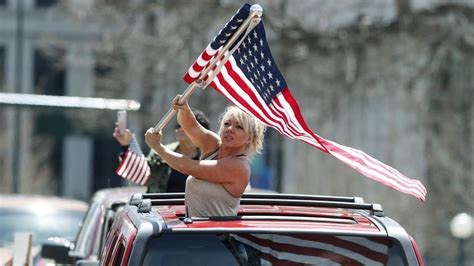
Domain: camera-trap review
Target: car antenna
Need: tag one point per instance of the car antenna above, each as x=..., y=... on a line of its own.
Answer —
x=187, y=219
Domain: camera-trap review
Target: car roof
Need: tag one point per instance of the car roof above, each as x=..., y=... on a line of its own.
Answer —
x=273, y=212
x=110, y=195
x=41, y=202
x=285, y=218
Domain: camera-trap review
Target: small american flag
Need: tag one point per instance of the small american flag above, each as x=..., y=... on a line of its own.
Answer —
x=251, y=80
x=134, y=165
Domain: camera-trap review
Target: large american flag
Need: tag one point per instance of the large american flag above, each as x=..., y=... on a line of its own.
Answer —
x=251, y=80
x=134, y=166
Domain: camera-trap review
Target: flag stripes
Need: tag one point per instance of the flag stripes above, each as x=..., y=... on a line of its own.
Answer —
x=221, y=38
x=134, y=166
x=282, y=115
x=198, y=66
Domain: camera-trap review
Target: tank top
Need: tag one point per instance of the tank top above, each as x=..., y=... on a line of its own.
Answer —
x=204, y=198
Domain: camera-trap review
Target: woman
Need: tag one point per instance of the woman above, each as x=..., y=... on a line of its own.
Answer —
x=164, y=178
x=215, y=184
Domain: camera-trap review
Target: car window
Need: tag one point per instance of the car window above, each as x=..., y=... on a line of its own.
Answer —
x=271, y=249
x=64, y=224
x=109, y=249
x=188, y=249
x=118, y=260
x=86, y=241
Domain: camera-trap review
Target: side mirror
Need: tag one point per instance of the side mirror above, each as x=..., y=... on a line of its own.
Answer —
x=87, y=263
x=58, y=250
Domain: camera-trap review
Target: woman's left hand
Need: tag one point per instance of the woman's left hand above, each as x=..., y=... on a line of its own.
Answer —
x=153, y=139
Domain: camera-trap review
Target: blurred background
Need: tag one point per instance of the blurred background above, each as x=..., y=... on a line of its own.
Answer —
x=391, y=77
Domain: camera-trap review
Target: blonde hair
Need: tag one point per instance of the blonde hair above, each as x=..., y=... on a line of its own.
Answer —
x=251, y=126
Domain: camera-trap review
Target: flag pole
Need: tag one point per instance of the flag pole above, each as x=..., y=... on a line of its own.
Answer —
x=250, y=22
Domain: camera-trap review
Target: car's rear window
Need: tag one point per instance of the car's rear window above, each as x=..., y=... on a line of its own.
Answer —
x=270, y=249
x=64, y=224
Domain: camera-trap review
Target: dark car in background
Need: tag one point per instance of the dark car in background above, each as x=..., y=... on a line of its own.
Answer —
x=103, y=207
x=270, y=229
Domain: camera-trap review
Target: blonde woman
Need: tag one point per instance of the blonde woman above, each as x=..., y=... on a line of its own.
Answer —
x=215, y=184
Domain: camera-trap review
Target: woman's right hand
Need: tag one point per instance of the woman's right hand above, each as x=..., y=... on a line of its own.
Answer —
x=123, y=138
x=153, y=140
x=179, y=107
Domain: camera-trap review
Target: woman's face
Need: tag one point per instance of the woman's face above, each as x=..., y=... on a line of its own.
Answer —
x=233, y=133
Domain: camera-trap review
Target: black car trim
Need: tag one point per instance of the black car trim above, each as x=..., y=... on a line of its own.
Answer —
x=262, y=196
x=274, y=217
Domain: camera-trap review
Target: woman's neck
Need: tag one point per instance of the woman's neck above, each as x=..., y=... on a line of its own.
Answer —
x=227, y=152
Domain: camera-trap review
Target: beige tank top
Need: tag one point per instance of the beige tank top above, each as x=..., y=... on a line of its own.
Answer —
x=204, y=199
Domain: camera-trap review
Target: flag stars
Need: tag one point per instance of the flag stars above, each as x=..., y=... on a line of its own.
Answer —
x=266, y=96
x=277, y=82
x=242, y=61
x=255, y=35
x=262, y=67
x=271, y=87
x=262, y=55
x=261, y=42
x=269, y=62
x=255, y=47
x=245, y=57
x=270, y=75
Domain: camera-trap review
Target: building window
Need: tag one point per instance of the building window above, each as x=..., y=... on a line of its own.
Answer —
x=49, y=75
x=45, y=3
x=109, y=76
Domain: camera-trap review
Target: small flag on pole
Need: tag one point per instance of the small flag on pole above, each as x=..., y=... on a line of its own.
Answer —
x=134, y=165
x=251, y=80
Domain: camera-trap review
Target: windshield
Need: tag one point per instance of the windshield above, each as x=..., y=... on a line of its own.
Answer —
x=270, y=249
x=64, y=224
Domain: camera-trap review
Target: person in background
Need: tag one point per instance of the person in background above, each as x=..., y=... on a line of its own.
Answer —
x=164, y=178
x=217, y=181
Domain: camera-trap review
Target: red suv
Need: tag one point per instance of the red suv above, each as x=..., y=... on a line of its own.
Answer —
x=270, y=229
